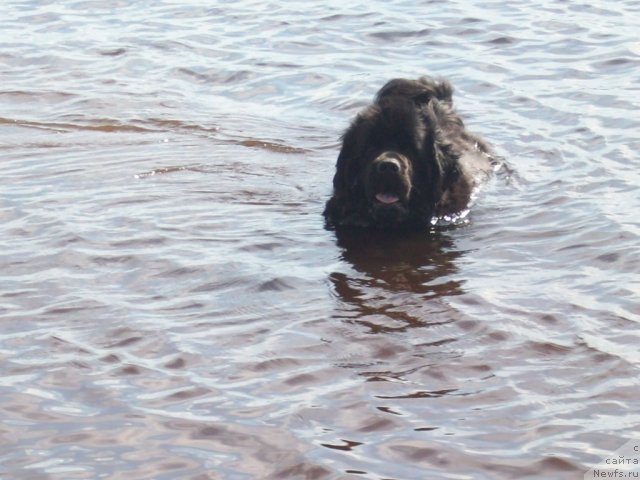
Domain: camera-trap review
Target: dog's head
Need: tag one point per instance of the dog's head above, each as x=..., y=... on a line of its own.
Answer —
x=406, y=159
x=389, y=169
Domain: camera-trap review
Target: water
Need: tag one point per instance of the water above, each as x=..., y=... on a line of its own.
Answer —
x=171, y=305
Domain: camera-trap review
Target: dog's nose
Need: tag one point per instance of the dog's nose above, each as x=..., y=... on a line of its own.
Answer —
x=388, y=165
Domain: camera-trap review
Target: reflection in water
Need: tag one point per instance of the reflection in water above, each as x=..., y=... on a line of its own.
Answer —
x=393, y=272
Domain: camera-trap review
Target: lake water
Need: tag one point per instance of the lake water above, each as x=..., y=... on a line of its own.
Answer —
x=172, y=307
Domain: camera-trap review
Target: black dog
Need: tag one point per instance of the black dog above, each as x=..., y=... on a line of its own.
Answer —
x=406, y=160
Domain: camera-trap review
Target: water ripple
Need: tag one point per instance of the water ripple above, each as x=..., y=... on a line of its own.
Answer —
x=167, y=281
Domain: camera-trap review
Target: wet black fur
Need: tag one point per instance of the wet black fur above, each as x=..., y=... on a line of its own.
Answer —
x=415, y=119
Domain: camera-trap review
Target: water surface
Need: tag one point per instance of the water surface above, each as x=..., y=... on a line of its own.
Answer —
x=172, y=307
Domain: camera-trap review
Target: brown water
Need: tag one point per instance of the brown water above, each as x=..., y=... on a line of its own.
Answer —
x=171, y=306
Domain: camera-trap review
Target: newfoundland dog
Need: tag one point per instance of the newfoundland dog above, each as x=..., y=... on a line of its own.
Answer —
x=406, y=160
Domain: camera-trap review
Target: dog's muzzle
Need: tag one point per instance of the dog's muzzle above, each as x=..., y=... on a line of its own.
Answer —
x=390, y=176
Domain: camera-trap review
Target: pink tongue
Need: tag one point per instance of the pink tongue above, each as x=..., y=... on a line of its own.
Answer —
x=386, y=198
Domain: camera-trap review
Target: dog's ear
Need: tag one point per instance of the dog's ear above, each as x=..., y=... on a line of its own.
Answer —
x=443, y=169
x=354, y=142
x=345, y=165
x=344, y=206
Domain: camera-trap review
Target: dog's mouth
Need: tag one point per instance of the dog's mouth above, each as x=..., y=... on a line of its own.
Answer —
x=387, y=198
